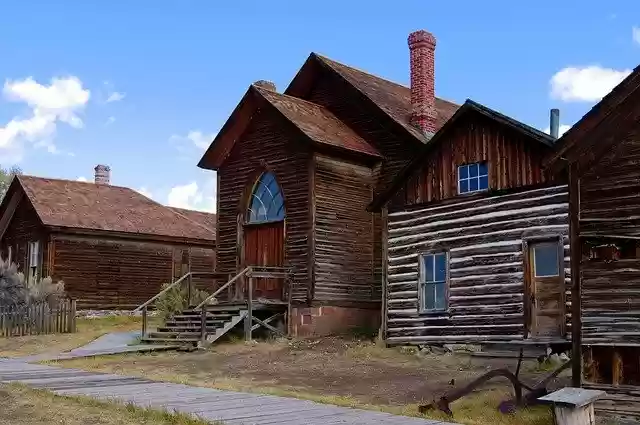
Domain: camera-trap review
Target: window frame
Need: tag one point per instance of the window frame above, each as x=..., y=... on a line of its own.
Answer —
x=552, y=244
x=422, y=283
x=468, y=179
x=33, y=266
x=253, y=195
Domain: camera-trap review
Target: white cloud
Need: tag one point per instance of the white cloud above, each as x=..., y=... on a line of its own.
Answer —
x=587, y=84
x=110, y=121
x=60, y=101
x=561, y=130
x=115, y=97
x=190, y=196
x=144, y=191
x=82, y=179
x=635, y=35
x=194, y=137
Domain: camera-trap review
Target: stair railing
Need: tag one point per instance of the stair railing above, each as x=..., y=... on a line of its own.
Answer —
x=223, y=287
x=188, y=277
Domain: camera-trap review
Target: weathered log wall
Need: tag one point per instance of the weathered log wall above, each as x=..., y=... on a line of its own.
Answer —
x=106, y=274
x=610, y=213
x=514, y=161
x=266, y=145
x=344, y=232
x=484, y=238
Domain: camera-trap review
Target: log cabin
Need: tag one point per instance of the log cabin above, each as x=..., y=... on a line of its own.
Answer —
x=476, y=241
x=297, y=170
x=600, y=154
x=112, y=246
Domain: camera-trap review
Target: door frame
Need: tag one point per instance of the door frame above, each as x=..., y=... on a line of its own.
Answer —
x=529, y=288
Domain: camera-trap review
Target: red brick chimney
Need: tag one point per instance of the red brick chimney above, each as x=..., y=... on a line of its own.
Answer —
x=422, y=49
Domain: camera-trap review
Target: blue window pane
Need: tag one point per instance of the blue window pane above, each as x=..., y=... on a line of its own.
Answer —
x=428, y=268
x=464, y=186
x=429, y=296
x=546, y=259
x=267, y=202
x=473, y=185
x=441, y=267
x=463, y=172
x=473, y=170
x=484, y=183
x=440, y=296
x=483, y=169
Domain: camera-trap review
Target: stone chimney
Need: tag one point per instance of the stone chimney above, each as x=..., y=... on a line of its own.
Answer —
x=103, y=174
x=264, y=84
x=554, y=123
x=422, y=49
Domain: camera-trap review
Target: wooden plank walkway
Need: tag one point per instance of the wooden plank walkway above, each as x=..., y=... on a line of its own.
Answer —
x=232, y=408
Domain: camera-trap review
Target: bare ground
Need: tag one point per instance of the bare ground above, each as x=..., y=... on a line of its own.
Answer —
x=339, y=371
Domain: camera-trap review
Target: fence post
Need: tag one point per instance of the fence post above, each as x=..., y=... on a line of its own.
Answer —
x=144, y=321
x=203, y=324
x=73, y=321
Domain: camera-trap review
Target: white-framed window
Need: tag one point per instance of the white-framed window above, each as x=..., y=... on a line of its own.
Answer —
x=473, y=177
x=34, y=260
x=433, y=290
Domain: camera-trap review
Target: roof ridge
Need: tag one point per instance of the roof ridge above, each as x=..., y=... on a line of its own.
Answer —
x=31, y=176
x=328, y=60
x=287, y=96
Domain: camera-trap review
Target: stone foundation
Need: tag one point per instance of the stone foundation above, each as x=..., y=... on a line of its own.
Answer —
x=333, y=320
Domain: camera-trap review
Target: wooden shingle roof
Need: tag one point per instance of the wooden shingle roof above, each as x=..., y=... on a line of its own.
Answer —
x=69, y=204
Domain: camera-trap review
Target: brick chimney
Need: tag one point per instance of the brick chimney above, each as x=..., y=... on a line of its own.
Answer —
x=103, y=174
x=422, y=49
x=264, y=84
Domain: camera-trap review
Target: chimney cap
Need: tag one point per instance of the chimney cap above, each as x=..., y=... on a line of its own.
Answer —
x=420, y=37
x=265, y=84
x=102, y=167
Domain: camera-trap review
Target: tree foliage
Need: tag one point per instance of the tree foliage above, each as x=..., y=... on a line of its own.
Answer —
x=6, y=175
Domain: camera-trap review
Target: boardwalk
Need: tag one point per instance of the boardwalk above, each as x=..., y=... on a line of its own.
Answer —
x=232, y=408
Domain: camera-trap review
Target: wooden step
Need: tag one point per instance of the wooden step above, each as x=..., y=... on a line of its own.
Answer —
x=180, y=336
x=158, y=340
x=210, y=329
x=196, y=322
x=182, y=317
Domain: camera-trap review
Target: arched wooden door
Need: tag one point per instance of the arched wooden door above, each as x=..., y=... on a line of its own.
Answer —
x=264, y=234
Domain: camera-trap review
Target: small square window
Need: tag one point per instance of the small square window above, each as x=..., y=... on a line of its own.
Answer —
x=473, y=177
x=545, y=259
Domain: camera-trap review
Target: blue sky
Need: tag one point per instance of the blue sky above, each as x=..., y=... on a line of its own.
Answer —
x=142, y=86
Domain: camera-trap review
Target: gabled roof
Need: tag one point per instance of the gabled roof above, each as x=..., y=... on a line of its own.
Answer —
x=590, y=133
x=469, y=106
x=391, y=98
x=205, y=219
x=315, y=122
x=72, y=204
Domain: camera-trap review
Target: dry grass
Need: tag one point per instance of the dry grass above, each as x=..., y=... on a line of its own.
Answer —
x=344, y=374
x=21, y=405
x=87, y=331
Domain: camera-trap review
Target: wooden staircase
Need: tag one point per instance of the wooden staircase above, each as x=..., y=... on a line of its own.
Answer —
x=211, y=319
x=186, y=328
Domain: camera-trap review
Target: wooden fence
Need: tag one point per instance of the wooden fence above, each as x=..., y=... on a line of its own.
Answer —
x=38, y=319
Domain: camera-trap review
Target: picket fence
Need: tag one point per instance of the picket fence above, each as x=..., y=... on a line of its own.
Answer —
x=38, y=319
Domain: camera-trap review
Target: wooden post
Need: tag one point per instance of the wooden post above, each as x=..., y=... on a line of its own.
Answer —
x=144, y=321
x=189, y=283
x=73, y=317
x=203, y=324
x=576, y=258
x=248, y=322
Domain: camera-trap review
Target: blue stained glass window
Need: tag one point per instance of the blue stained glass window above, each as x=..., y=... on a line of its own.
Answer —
x=267, y=202
x=434, y=286
x=473, y=177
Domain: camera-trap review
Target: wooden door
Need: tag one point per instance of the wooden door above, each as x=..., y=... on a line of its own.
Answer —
x=546, y=289
x=264, y=246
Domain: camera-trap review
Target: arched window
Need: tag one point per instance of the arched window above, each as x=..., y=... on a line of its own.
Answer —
x=266, y=203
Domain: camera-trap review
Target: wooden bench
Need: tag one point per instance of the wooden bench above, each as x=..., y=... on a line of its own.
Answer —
x=573, y=406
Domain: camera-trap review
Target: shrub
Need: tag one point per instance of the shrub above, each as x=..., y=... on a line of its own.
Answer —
x=175, y=301
x=16, y=291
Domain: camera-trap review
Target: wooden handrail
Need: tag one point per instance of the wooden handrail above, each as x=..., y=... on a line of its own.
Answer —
x=165, y=290
x=223, y=287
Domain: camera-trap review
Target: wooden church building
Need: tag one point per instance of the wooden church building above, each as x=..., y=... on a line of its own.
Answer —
x=316, y=179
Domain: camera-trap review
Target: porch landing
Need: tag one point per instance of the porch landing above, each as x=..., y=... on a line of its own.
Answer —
x=232, y=408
